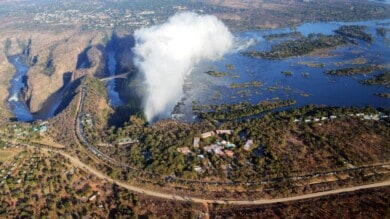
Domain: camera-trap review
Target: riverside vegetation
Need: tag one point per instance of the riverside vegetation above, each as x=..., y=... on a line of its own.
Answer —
x=381, y=79
x=51, y=187
x=285, y=145
x=354, y=70
x=313, y=42
x=299, y=47
x=240, y=110
x=272, y=134
x=355, y=31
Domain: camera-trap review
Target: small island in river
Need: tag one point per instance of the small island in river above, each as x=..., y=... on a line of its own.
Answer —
x=381, y=79
x=354, y=70
x=355, y=31
x=303, y=46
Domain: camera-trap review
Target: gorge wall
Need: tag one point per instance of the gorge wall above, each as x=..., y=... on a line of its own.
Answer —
x=51, y=55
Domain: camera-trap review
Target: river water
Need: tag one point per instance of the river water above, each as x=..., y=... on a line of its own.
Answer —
x=307, y=85
x=113, y=95
x=18, y=82
x=22, y=112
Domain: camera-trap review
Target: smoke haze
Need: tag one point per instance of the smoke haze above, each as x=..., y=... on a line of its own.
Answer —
x=165, y=55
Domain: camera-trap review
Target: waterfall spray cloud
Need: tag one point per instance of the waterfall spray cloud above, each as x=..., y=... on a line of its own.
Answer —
x=165, y=55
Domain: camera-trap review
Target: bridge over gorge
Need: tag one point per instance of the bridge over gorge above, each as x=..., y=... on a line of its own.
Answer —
x=124, y=76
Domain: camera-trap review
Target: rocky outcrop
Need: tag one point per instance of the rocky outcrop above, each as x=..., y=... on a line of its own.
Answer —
x=124, y=44
x=97, y=62
x=54, y=59
x=6, y=72
x=51, y=56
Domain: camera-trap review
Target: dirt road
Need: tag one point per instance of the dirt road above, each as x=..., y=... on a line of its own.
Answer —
x=99, y=174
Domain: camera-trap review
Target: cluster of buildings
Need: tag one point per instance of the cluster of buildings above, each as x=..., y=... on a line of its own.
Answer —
x=97, y=15
x=375, y=117
x=25, y=131
x=99, y=19
x=220, y=148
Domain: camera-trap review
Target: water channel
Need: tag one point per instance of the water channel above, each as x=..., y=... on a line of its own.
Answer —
x=307, y=85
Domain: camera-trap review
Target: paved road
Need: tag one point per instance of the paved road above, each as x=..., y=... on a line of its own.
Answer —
x=97, y=154
x=99, y=174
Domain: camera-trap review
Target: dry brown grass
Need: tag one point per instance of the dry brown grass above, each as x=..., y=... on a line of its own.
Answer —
x=369, y=203
x=357, y=140
x=49, y=142
x=8, y=154
x=298, y=156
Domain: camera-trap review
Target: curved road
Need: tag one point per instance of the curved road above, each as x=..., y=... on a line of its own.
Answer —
x=99, y=174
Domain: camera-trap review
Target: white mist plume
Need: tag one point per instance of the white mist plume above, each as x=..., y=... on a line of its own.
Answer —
x=165, y=55
x=243, y=44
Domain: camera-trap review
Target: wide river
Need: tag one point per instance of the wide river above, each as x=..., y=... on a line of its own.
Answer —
x=307, y=85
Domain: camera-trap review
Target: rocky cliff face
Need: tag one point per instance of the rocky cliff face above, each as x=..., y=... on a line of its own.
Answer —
x=51, y=55
x=54, y=59
x=96, y=59
x=124, y=43
x=6, y=72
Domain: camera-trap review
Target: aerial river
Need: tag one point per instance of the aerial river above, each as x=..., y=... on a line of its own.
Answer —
x=308, y=83
x=18, y=82
x=113, y=95
x=15, y=99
